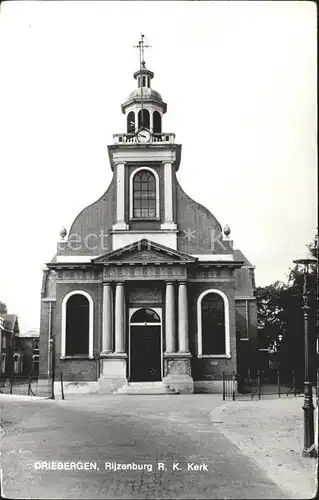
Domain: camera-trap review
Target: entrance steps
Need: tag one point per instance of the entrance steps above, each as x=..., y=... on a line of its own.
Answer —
x=145, y=388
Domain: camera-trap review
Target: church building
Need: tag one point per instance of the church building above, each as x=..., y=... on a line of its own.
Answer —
x=146, y=289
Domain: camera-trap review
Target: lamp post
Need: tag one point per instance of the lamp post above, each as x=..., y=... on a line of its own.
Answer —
x=52, y=349
x=309, y=449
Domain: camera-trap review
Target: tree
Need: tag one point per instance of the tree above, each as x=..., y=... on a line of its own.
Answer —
x=279, y=309
x=271, y=313
x=3, y=308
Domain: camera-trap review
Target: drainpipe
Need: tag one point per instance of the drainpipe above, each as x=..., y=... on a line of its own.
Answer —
x=247, y=320
x=49, y=335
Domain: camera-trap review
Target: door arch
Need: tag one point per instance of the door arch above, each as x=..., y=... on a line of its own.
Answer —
x=145, y=344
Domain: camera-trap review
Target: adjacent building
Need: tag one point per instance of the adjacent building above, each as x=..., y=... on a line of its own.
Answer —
x=27, y=347
x=9, y=328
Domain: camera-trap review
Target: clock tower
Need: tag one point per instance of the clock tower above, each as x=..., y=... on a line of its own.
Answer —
x=144, y=160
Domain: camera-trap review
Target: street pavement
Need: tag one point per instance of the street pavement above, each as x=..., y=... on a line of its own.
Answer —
x=271, y=432
x=174, y=432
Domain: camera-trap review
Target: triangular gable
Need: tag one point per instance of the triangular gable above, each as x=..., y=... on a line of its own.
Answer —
x=144, y=251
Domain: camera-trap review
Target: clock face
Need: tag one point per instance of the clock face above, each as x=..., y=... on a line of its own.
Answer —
x=143, y=136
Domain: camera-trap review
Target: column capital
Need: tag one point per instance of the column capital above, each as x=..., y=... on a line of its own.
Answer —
x=119, y=283
x=119, y=162
x=183, y=282
x=107, y=283
x=169, y=282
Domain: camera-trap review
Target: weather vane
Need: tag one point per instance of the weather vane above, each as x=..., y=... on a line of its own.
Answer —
x=141, y=48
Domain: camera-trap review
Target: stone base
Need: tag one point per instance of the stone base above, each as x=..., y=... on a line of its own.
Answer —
x=72, y=387
x=182, y=384
x=112, y=373
x=177, y=372
x=150, y=388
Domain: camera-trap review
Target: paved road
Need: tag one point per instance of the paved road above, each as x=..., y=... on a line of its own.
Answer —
x=125, y=429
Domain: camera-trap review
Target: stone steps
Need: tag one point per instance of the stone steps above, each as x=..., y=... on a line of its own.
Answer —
x=145, y=388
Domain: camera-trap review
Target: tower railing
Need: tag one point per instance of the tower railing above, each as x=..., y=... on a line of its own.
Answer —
x=163, y=138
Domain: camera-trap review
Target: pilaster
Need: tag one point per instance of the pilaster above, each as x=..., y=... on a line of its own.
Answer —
x=170, y=317
x=119, y=318
x=182, y=318
x=168, y=197
x=120, y=198
x=107, y=320
x=113, y=365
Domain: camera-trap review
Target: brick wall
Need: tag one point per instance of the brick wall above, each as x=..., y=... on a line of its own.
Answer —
x=201, y=225
x=211, y=368
x=79, y=369
x=100, y=216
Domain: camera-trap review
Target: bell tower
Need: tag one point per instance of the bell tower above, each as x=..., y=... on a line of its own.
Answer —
x=144, y=107
x=144, y=160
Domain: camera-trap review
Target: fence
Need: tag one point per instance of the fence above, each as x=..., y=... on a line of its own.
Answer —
x=25, y=385
x=256, y=385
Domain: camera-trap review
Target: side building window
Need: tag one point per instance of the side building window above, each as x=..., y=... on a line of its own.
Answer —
x=144, y=195
x=77, y=325
x=3, y=363
x=213, y=324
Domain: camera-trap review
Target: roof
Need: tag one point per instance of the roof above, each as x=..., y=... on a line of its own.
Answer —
x=147, y=94
x=33, y=332
x=142, y=250
x=9, y=321
x=238, y=255
x=244, y=285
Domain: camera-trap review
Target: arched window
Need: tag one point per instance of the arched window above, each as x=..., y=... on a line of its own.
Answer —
x=145, y=316
x=77, y=324
x=213, y=324
x=131, y=122
x=157, y=123
x=144, y=195
x=145, y=120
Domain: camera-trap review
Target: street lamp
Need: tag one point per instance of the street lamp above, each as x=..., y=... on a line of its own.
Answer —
x=52, y=352
x=309, y=449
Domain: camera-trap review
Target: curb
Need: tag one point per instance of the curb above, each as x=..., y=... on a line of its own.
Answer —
x=19, y=397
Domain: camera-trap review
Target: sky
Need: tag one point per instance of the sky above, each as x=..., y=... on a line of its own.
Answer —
x=239, y=79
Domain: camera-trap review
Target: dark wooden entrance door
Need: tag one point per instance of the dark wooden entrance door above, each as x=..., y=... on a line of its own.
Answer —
x=145, y=353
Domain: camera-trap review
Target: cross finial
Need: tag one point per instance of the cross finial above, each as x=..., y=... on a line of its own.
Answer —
x=141, y=48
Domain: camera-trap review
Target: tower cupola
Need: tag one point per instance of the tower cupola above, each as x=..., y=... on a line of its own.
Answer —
x=144, y=107
x=145, y=75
